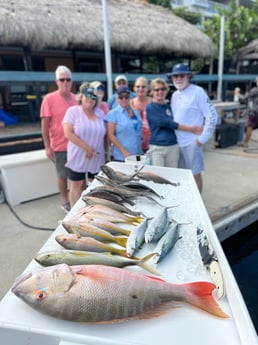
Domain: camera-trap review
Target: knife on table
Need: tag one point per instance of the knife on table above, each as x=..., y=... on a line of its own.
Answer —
x=210, y=261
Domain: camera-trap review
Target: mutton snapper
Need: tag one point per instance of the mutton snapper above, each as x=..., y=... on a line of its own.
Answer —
x=100, y=294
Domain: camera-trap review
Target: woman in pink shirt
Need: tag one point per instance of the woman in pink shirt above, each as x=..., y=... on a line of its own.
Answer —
x=85, y=130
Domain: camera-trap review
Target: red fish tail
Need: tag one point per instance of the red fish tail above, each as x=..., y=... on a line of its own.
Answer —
x=200, y=295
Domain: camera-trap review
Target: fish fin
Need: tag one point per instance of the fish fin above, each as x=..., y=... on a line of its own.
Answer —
x=143, y=263
x=93, y=272
x=200, y=295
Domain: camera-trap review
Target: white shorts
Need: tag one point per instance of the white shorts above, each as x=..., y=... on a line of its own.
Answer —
x=191, y=157
x=164, y=156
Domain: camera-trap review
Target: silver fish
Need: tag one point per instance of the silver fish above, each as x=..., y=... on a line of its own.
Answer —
x=118, y=176
x=90, y=200
x=150, y=176
x=101, y=294
x=108, y=194
x=157, y=226
x=167, y=242
x=136, y=238
x=79, y=257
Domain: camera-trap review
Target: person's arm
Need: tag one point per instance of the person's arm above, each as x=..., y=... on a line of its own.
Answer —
x=45, y=124
x=193, y=129
x=71, y=136
x=111, y=127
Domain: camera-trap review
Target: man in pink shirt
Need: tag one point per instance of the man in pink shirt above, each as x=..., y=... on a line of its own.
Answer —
x=53, y=109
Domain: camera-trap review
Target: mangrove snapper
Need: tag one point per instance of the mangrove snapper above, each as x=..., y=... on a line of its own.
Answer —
x=101, y=294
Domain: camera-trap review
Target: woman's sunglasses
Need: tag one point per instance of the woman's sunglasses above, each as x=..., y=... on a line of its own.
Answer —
x=91, y=96
x=123, y=96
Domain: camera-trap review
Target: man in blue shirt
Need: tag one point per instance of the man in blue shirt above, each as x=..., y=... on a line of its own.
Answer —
x=120, y=80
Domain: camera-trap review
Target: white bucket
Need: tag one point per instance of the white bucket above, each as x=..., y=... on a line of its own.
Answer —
x=138, y=159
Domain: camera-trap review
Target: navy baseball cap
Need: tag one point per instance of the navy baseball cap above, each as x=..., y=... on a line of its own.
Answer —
x=180, y=68
x=123, y=89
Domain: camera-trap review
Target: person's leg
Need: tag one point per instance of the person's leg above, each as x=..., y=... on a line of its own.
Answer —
x=191, y=157
x=62, y=187
x=248, y=135
x=157, y=155
x=172, y=156
x=76, y=189
x=198, y=180
x=60, y=161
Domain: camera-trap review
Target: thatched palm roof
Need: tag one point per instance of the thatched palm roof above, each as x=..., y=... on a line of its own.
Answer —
x=249, y=52
x=135, y=27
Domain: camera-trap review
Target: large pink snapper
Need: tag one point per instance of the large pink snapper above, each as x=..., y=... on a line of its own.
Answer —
x=101, y=294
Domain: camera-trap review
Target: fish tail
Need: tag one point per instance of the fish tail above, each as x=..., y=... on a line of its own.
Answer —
x=122, y=241
x=143, y=263
x=200, y=295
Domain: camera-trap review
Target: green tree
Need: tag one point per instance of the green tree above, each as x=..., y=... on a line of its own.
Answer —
x=240, y=27
x=191, y=17
x=163, y=3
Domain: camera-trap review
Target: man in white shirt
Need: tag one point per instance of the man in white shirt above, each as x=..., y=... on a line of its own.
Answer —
x=191, y=106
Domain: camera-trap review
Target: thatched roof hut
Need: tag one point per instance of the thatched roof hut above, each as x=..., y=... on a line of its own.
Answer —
x=135, y=27
x=247, y=53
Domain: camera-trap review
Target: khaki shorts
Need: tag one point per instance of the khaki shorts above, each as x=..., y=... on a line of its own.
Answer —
x=164, y=156
x=60, y=161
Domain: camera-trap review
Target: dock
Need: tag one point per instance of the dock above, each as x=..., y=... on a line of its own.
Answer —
x=230, y=195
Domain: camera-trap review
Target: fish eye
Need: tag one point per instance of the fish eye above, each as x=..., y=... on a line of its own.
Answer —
x=40, y=295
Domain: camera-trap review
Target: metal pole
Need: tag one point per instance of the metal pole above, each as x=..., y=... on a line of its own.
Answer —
x=107, y=48
x=221, y=58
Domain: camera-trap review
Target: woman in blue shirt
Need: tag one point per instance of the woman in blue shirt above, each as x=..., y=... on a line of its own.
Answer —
x=124, y=127
x=163, y=142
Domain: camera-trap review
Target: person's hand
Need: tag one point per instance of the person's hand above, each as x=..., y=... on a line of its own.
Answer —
x=89, y=152
x=198, y=143
x=197, y=130
x=50, y=153
x=126, y=153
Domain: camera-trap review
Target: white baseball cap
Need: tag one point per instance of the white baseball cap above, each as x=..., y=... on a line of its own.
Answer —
x=120, y=77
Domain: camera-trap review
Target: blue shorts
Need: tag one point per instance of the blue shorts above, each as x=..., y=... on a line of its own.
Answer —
x=191, y=157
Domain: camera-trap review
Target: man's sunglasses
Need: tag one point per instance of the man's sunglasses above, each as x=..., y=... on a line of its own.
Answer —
x=123, y=96
x=64, y=79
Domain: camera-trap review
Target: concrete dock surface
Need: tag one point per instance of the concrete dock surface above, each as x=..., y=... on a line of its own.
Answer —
x=230, y=185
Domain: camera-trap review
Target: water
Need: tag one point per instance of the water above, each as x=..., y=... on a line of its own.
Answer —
x=241, y=251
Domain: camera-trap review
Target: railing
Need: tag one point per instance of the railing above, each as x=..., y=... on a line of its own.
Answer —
x=10, y=77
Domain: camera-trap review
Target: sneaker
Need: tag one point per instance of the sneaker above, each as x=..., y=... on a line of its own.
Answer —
x=66, y=207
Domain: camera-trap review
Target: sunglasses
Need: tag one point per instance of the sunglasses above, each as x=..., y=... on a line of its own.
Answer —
x=140, y=86
x=91, y=96
x=160, y=89
x=101, y=88
x=179, y=76
x=123, y=96
x=64, y=79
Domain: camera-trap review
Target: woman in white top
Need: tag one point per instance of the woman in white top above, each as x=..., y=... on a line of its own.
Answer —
x=85, y=129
